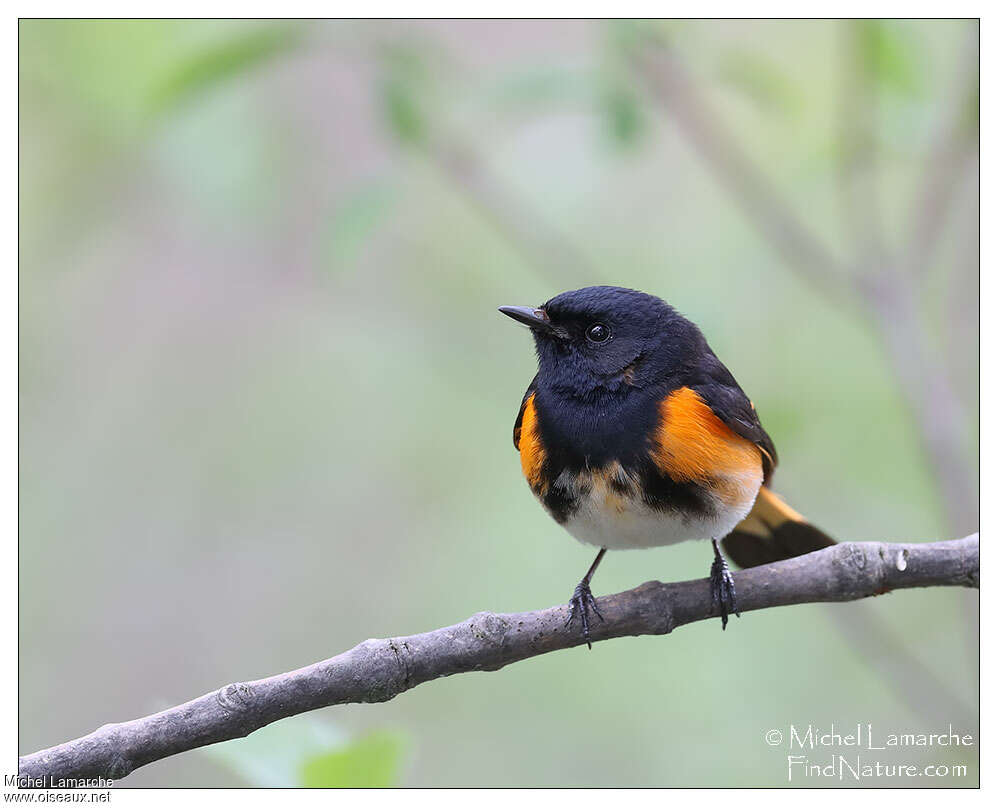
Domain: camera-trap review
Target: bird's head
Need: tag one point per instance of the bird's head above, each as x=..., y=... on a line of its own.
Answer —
x=603, y=338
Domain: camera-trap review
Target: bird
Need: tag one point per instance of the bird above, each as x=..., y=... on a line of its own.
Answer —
x=633, y=434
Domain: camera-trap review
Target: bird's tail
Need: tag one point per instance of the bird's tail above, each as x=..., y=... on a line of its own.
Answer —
x=773, y=531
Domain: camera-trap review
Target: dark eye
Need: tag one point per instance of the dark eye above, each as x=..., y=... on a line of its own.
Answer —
x=598, y=332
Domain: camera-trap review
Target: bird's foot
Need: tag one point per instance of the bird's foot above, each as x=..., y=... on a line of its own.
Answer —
x=582, y=603
x=723, y=588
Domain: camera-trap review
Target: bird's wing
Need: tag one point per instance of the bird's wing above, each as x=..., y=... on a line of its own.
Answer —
x=520, y=415
x=721, y=392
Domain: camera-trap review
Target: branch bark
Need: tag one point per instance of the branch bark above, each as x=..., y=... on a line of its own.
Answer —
x=379, y=670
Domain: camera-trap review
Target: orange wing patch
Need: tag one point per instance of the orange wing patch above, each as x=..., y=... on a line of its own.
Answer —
x=694, y=444
x=532, y=453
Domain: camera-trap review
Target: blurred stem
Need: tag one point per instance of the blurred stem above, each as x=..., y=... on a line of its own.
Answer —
x=891, y=293
x=860, y=191
x=953, y=150
x=759, y=199
x=961, y=311
x=926, y=386
x=878, y=286
x=880, y=289
x=927, y=695
x=539, y=243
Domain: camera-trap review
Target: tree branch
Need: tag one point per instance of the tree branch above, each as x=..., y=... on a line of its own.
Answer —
x=379, y=670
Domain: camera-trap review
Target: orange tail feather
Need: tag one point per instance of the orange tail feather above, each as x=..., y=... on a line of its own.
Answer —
x=773, y=531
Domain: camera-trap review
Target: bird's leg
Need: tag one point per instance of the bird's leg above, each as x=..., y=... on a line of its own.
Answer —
x=583, y=601
x=722, y=586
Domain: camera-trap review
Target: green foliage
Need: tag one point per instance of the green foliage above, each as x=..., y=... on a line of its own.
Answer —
x=542, y=88
x=402, y=112
x=369, y=762
x=401, y=92
x=620, y=104
x=355, y=221
x=623, y=115
x=627, y=36
x=272, y=757
x=308, y=751
x=970, y=119
x=102, y=71
x=117, y=75
x=219, y=61
x=759, y=79
x=887, y=55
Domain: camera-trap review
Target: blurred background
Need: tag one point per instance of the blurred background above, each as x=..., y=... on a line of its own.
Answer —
x=266, y=399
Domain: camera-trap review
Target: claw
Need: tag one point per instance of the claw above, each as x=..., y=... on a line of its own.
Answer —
x=582, y=602
x=722, y=588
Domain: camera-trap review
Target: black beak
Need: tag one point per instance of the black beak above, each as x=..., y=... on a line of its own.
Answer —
x=528, y=315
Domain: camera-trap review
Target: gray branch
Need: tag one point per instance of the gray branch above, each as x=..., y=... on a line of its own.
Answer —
x=379, y=670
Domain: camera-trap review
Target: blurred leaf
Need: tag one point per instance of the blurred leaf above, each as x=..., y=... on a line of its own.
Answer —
x=272, y=757
x=624, y=37
x=100, y=72
x=403, y=85
x=356, y=219
x=402, y=112
x=370, y=762
x=622, y=113
x=972, y=102
x=541, y=87
x=620, y=105
x=221, y=61
x=759, y=79
x=887, y=55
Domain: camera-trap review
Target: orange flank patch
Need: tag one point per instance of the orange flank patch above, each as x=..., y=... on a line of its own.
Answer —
x=532, y=453
x=693, y=444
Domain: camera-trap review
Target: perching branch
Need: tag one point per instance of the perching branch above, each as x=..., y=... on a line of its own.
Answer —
x=379, y=670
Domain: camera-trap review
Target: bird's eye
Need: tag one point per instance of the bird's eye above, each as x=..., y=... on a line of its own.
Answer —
x=597, y=332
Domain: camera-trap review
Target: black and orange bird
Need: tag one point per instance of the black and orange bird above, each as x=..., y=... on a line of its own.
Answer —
x=633, y=434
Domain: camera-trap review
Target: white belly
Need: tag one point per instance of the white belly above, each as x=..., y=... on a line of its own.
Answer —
x=606, y=519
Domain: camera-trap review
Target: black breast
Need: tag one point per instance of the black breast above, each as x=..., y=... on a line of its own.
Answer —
x=589, y=435
x=592, y=433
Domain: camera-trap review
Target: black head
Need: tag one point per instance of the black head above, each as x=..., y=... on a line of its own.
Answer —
x=605, y=338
